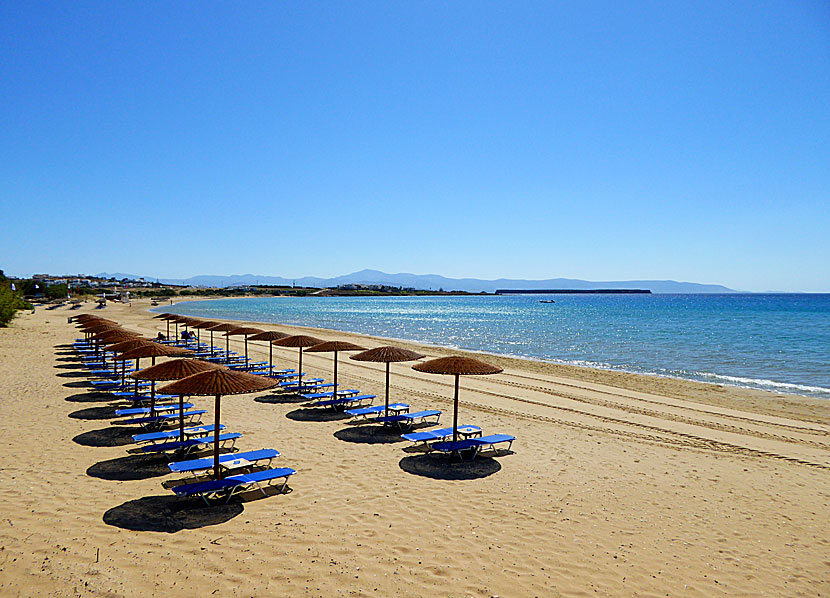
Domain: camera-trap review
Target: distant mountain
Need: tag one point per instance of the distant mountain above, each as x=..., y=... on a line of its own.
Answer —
x=435, y=282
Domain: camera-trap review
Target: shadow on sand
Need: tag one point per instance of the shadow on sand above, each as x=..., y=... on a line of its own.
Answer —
x=73, y=374
x=448, y=468
x=169, y=514
x=114, y=436
x=369, y=434
x=281, y=399
x=94, y=413
x=89, y=397
x=316, y=415
x=132, y=467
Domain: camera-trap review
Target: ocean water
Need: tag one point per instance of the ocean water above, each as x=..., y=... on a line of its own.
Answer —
x=777, y=342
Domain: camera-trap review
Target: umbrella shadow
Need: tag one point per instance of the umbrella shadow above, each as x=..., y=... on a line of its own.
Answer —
x=107, y=412
x=310, y=414
x=76, y=358
x=130, y=468
x=113, y=436
x=447, y=468
x=369, y=435
x=79, y=384
x=73, y=374
x=169, y=514
x=68, y=366
x=89, y=397
x=281, y=399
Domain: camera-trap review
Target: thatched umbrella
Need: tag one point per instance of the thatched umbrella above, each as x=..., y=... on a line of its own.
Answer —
x=300, y=341
x=387, y=355
x=169, y=318
x=152, y=350
x=456, y=366
x=224, y=328
x=218, y=383
x=269, y=335
x=204, y=325
x=128, y=345
x=245, y=331
x=101, y=327
x=334, y=347
x=176, y=369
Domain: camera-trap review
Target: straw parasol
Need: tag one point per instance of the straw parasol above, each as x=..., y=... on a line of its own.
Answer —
x=152, y=350
x=224, y=328
x=217, y=383
x=456, y=366
x=204, y=325
x=300, y=341
x=245, y=331
x=334, y=346
x=100, y=327
x=387, y=355
x=168, y=318
x=176, y=369
x=269, y=335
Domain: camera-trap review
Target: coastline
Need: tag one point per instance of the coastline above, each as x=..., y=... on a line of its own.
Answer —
x=713, y=393
x=618, y=484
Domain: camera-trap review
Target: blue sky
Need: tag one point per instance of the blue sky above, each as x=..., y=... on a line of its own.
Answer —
x=594, y=140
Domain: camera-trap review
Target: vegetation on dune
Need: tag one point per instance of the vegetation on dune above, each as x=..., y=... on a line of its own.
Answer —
x=10, y=301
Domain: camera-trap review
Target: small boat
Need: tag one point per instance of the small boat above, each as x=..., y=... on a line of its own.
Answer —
x=546, y=301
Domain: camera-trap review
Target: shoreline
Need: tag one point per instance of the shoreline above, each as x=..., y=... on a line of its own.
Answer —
x=580, y=372
x=617, y=484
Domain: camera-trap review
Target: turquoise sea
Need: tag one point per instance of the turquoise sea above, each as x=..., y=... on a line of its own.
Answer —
x=777, y=342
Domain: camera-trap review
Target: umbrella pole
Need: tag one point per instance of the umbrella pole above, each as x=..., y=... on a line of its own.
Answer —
x=455, y=412
x=386, y=412
x=216, y=473
x=152, y=398
x=177, y=332
x=135, y=388
x=123, y=373
x=270, y=359
x=334, y=394
x=198, y=337
x=227, y=349
x=181, y=418
x=300, y=370
x=246, y=351
x=212, y=348
x=168, y=329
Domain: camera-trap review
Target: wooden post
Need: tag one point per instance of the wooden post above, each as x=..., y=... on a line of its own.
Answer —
x=455, y=412
x=386, y=412
x=181, y=418
x=216, y=473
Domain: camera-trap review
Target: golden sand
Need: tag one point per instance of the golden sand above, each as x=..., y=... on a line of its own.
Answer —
x=618, y=485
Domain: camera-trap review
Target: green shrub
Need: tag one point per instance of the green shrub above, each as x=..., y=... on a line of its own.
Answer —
x=10, y=302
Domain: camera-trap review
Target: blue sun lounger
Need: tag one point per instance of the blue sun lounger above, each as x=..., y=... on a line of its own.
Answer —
x=330, y=394
x=196, y=465
x=190, y=416
x=440, y=434
x=473, y=445
x=407, y=420
x=227, y=487
x=193, y=431
x=186, y=446
x=343, y=401
x=159, y=408
x=364, y=412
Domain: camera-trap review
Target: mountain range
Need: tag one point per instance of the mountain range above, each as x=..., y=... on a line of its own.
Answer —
x=435, y=282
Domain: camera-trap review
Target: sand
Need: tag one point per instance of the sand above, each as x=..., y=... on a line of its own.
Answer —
x=618, y=485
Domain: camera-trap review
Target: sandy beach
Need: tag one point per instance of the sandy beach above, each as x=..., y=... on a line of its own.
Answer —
x=617, y=485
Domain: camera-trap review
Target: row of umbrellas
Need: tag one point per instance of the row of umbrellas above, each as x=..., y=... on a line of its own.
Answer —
x=200, y=378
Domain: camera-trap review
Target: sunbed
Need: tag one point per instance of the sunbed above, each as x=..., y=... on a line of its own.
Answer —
x=191, y=444
x=407, y=420
x=164, y=435
x=473, y=446
x=227, y=487
x=195, y=465
x=159, y=408
x=364, y=412
x=427, y=436
x=190, y=416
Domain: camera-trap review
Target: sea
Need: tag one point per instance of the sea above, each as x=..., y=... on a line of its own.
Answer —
x=775, y=342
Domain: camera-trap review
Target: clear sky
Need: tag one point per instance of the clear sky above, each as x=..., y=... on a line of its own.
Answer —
x=595, y=140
